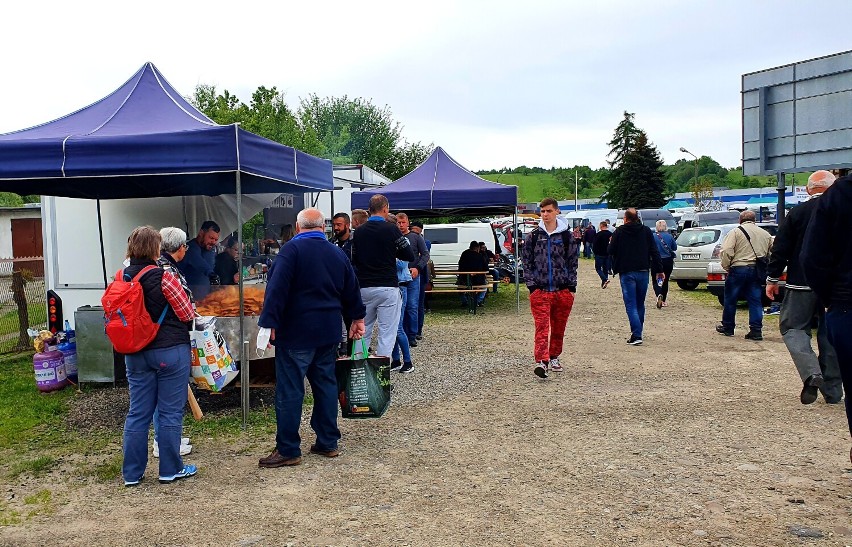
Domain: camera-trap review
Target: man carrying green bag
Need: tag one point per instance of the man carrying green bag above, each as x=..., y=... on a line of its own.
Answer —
x=311, y=288
x=364, y=384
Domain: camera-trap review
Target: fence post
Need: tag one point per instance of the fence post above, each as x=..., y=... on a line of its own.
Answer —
x=20, y=298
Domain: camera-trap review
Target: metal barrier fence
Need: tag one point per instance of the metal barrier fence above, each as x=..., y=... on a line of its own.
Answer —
x=23, y=301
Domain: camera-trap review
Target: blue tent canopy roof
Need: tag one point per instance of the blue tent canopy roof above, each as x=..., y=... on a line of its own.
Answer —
x=159, y=145
x=440, y=186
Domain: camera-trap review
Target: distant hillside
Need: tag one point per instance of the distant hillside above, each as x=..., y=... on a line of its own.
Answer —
x=533, y=187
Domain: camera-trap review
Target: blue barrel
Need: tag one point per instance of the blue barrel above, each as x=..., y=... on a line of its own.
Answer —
x=49, y=368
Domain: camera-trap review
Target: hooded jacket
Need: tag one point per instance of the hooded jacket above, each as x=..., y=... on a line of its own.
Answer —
x=633, y=249
x=548, y=264
x=827, y=248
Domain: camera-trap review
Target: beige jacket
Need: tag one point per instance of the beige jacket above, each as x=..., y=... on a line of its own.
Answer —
x=736, y=250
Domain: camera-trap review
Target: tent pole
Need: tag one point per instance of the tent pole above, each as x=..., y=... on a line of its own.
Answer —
x=517, y=259
x=101, y=237
x=244, y=362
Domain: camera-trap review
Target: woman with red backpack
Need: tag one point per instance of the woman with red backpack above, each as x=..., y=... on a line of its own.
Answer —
x=157, y=372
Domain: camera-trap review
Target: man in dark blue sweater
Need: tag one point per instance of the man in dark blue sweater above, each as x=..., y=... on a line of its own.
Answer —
x=311, y=286
x=198, y=264
x=827, y=262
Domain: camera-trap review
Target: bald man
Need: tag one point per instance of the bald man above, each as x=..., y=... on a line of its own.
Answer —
x=801, y=304
x=312, y=286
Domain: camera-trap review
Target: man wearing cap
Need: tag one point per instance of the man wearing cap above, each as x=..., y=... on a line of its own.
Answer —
x=801, y=305
x=827, y=262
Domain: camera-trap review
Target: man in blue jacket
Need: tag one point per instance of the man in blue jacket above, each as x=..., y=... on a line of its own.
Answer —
x=198, y=264
x=311, y=286
x=827, y=261
x=550, y=255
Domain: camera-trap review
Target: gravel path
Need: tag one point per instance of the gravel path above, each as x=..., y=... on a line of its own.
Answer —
x=690, y=439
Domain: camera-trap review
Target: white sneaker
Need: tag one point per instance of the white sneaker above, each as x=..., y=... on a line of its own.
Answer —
x=554, y=365
x=185, y=447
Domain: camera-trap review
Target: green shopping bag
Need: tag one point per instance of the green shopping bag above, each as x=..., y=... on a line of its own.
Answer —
x=363, y=384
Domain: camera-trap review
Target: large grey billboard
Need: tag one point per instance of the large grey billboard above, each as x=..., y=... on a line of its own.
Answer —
x=798, y=117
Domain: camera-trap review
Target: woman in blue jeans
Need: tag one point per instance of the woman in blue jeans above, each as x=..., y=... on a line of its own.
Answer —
x=403, y=275
x=157, y=375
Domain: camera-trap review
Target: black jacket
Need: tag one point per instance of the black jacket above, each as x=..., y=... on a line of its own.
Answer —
x=633, y=249
x=787, y=248
x=827, y=248
x=601, y=245
x=173, y=331
x=376, y=245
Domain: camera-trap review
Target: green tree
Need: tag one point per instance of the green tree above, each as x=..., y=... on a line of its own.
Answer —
x=640, y=181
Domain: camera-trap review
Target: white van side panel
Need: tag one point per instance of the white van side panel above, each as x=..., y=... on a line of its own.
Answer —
x=446, y=255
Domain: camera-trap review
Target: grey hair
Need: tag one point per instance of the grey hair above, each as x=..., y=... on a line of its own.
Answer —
x=310, y=218
x=661, y=225
x=747, y=216
x=172, y=239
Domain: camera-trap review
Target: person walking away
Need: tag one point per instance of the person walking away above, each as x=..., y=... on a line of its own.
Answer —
x=198, y=264
x=740, y=251
x=801, y=306
x=601, y=249
x=417, y=228
x=550, y=258
x=827, y=261
x=375, y=247
x=666, y=246
x=417, y=266
x=157, y=375
x=588, y=241
x=634, y=253
x=311, y=286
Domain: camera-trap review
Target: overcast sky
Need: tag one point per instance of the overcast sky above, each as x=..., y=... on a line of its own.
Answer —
x=536, y=83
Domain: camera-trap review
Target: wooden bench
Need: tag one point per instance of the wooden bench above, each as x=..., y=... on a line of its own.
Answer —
x=445, y=281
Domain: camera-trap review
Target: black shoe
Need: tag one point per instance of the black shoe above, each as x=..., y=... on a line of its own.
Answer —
x=755, y=335
x=407, y=367
x=419, y=337
x=395, y=366
x=811, y=389
x=634, y=340
x=412, y=343
x=721, y=330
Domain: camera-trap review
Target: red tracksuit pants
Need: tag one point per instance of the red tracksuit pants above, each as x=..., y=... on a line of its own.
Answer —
x=550, y=311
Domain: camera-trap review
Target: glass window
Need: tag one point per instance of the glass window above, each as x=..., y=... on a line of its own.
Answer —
x=696, y=237
x=442, y=235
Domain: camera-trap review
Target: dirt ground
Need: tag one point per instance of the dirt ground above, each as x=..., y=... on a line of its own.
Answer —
x=690, y=439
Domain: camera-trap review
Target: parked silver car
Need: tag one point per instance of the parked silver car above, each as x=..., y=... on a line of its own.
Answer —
x=697, y=247
x=716, y=277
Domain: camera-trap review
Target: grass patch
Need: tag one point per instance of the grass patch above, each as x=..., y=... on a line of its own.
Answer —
x=109, y=470
x=35, y=467
x=230, y=423
x=701, y=294
x=8, y=516
x=447, y=306
x=27, y=413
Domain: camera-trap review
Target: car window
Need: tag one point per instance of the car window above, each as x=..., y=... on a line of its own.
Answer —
x=443, y=235
x=695, y=238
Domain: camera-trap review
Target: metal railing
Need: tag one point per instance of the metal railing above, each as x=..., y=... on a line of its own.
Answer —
x=23, y=301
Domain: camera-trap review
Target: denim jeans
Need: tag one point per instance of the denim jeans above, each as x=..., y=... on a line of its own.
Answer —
x=383, y=307
x=157, y=378
x=839, y=322
x=291, y=368
x=421, y=301
x=742, y=282
x=410, y=307
x=480, y=297
x=634, y=288
x=401, y=337
x=602, y=266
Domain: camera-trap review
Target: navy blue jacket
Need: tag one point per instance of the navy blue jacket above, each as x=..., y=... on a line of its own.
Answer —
x=311, y=287
x=197, y=267
x=827, y=248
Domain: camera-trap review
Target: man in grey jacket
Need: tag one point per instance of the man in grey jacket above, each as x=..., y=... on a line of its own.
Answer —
x=801, y=305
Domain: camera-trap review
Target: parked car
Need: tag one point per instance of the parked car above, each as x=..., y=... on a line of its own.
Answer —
x=716, y=284
x=697, y=247
x=449, y=241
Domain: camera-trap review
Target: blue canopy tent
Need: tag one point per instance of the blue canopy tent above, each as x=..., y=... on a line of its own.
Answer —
x=441, y=187
x=145, y=140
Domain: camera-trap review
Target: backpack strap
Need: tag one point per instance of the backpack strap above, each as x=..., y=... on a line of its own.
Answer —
x=145, y=270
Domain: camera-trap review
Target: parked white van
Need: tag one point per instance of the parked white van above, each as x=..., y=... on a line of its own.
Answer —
x=449, y=241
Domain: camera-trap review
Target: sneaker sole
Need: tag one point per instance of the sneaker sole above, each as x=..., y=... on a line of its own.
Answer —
x=284, y=463
x=409, y=371
x=326, y=453
x=540, y=372
x=560, y=369
x=635, y=343
x=177, y=478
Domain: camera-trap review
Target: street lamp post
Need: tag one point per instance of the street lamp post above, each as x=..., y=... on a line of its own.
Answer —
x=576, y=191
x=685, y=151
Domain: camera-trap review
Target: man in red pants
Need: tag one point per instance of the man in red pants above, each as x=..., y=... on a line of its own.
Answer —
x=550, y=255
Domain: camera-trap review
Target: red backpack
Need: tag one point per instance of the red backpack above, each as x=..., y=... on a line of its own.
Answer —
x=126, y=320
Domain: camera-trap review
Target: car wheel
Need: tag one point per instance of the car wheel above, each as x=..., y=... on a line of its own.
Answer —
x=721, y=298
x=688, y=285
